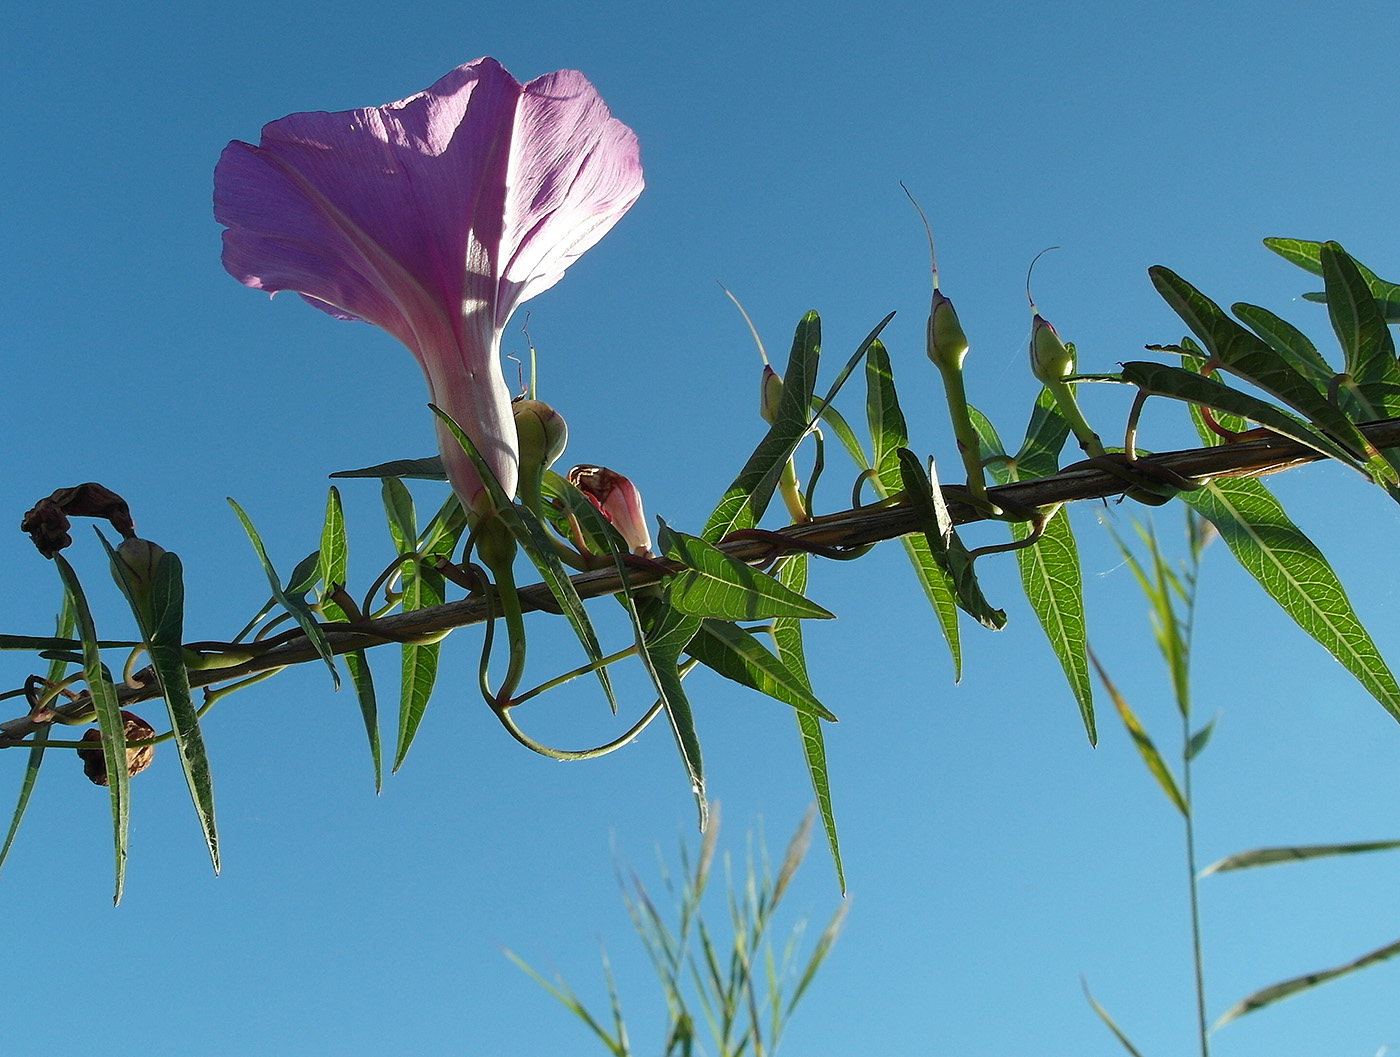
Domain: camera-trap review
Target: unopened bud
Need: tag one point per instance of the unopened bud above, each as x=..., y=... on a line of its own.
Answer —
x=947, y=344
x=618, y=500
x=541, y=431
x=134, y=565
x=770, y=394
x=1051, y=359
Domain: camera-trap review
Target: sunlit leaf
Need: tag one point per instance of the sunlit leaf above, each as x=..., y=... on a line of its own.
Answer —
x=787, y=639
x=1272, y=856
x=57, y=669
x=1199, y=740
x=162, y=630
x=889, y=433
x=668, y=631
x=736, y=654
x=1307, y=254
x=1050, y=571
x=926, y=500
x=1363, y=334
x=295, y=606
x=1269, y=995
x=1146, y=749
x=334, y=558
x=713, y=584
x=1289, y=342
x=109, y=719
x=1295, y=575
x=1108, y=1023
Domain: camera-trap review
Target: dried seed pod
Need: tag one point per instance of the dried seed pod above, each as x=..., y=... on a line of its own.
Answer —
x=137, y=759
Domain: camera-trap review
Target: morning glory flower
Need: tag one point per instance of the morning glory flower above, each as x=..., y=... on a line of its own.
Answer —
x=433, y=218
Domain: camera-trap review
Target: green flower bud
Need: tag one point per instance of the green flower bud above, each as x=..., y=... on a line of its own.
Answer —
x=135, y=567
x=541, y=431
x=947, y=344
x=770, y=392
x=1051, y=359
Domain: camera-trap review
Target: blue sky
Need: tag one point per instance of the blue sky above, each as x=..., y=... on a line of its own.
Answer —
x=992, y=856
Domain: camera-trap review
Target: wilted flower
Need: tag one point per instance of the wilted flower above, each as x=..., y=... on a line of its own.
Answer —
x=433, y=218
x=619, y=501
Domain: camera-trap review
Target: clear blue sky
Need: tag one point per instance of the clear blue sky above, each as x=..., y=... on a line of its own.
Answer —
x=992, y=856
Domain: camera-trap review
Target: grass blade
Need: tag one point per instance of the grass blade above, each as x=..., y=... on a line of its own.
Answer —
x=1145, y=748
x=1271, y=856
x=1269, y=995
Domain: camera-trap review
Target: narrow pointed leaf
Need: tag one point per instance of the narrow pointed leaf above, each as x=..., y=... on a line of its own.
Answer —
x=1050, y=571
x=531, y=535
x=737, y=655
x=1108, y=1023
x=162, y=625
x=1289, y=342
x=747, y=497
x=30, y=643
x=1160, y=379
x=1269, y=995
x=742, y=504
x=109, y=720
x=1272, y=856
x=429, y=469
x=1146, y=749
x=1307, y=255
x=1246, y=356
x=715, y=585
x=787, y=639
x=297, y=607
x=1363, y=334
x=1294, y=573
x=668, y=631
x=926, y=499
x=57, y=669
x=889, y=433
x=1199, y=740
x=334, y=562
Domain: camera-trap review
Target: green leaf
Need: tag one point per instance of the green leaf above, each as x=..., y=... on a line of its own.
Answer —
x=737, y=655
x=1050, y=571
x=422, y=586
x=1160, y=379
x=1245, y=355
x=429, y=469
x=1108, y=1023
x=667, y=632
x=109, y=719
x=1289, y=342
x=715, y=585
x=926, y=499
x=1274, y=993
x=747, y=497
x=787, y=639
x=889, y=433
x=295, y=606
x=1308, y=256
x=1145, y=748
x=531, y=535
x=1363, y=334
x=743, y=503
x=162, y=624
x=57, y=669
x=334, y=562
x=1295, y=575
x=1272, y=856
x=1199, y=740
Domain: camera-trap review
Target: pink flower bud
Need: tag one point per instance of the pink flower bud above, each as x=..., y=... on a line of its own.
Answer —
x=618, y=500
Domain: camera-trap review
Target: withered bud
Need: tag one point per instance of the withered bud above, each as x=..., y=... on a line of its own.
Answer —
x=137, y=759
x=47, y=523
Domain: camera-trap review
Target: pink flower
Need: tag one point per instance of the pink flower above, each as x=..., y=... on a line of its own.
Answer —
x=433, y=218
x=618, y=500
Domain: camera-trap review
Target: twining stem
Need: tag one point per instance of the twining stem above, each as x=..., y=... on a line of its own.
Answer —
x=584, y=669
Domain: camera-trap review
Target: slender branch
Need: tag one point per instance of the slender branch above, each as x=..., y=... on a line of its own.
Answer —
x=849, y=528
